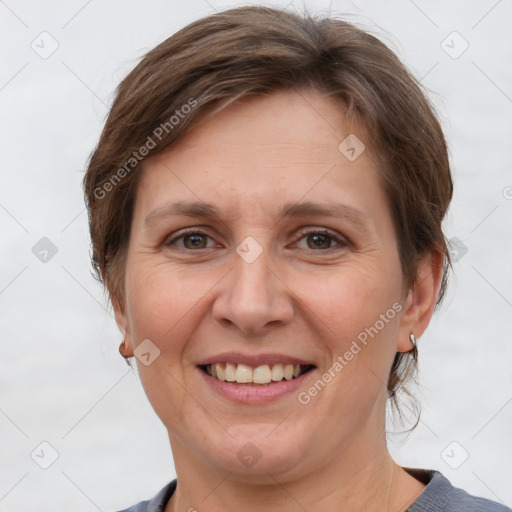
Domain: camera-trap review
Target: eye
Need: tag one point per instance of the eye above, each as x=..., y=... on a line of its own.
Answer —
x=322, y=239
x=192, y=239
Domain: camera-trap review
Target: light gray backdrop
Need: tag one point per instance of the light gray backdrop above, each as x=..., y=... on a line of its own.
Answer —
x=62, y=380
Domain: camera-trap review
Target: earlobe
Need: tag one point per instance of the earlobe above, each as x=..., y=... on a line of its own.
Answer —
x=421, y=300
x=406, y=324
x=125, y=349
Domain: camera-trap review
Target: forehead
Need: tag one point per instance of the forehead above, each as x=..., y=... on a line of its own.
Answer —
x=286, y=145
x=285, y=116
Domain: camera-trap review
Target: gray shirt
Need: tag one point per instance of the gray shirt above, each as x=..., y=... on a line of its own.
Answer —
x=438, y=496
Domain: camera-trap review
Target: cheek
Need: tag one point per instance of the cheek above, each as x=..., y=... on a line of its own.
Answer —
x=352, y=297
x=358, y=312
x=161, y=304
x=362, y=314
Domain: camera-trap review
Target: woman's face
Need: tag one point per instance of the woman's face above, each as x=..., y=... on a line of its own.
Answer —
x=265, y=282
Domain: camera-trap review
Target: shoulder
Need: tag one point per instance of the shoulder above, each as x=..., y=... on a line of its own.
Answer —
x=157, y=503
x=440, y=496
x=462, y=501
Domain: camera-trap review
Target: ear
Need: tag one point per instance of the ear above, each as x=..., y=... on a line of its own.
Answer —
x=421, y=299
x=123, y=325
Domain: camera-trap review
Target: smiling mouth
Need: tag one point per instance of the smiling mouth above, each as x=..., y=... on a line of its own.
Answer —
x=263, y=375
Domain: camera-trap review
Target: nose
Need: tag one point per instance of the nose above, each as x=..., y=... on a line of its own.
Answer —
x=253, y=296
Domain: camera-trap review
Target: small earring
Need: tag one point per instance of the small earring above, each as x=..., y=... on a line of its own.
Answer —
x=413, y=341
x=122, y=349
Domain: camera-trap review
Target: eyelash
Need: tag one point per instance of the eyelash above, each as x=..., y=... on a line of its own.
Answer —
x=342, y=243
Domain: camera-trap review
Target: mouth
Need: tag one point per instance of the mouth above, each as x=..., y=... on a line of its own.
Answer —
x=261, y=375
x=255, y=379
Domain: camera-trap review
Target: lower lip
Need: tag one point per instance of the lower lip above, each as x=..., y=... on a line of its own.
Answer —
x=257, y=394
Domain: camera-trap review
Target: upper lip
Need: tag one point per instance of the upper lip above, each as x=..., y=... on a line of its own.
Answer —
x=254, y=360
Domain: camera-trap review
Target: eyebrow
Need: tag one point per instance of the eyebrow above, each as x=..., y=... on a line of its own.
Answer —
x=288, y=210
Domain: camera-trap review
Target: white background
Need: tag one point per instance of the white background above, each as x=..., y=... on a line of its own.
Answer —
x=62, y=379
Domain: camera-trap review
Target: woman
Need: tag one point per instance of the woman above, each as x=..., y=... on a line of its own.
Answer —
x=265, y=208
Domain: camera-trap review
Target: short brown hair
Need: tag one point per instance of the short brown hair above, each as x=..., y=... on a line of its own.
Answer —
x=255, y=51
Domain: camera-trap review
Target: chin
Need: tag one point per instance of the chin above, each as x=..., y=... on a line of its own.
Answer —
x=261, y=452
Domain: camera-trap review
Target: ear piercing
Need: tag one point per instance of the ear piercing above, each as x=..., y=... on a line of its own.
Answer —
x=413, y=341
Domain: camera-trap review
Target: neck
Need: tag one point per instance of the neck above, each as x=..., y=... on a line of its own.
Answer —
x=365, y=479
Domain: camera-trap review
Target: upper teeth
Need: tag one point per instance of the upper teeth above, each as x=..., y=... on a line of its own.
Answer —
x=245, y=374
